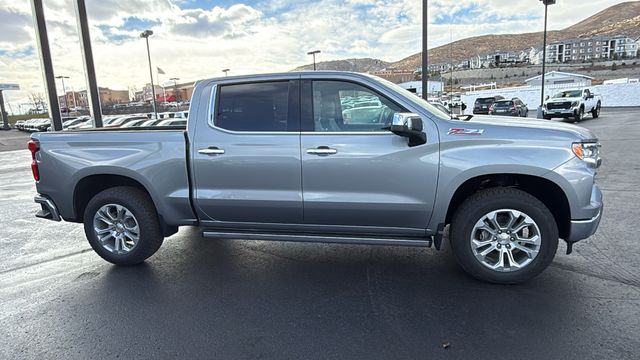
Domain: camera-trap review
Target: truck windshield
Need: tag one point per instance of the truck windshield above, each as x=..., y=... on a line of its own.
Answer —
x=416, y=100
x=568, y=94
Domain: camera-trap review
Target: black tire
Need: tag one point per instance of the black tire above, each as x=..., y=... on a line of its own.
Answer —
x=140, y=205
x=485, y=201
x=596, y=111
x=579, y=115
x=547, y=117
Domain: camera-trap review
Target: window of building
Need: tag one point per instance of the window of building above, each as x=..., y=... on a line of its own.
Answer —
x=581, y=44
x=589, y=50
x=260, y=106
x=590, y=43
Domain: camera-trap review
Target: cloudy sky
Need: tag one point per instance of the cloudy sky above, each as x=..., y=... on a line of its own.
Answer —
x=196, y=39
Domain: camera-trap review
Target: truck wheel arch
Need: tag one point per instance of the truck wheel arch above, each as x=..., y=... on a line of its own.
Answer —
x=89, y=186
x=547, y=191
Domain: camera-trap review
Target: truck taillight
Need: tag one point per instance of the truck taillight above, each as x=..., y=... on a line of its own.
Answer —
x=34, y=147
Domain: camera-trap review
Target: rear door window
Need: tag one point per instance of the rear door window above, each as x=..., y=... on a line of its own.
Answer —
x=262, y=106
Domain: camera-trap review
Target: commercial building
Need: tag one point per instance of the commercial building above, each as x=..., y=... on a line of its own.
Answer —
x=416, y=86
x=560, y=78
x=396, y=76
x=107, y=97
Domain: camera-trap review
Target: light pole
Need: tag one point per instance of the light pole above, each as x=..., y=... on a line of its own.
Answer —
x=225, y=71
x=425, y=57
x=544, y=53
x=175, y=87
x=64, y=92
x=145, y=34
x=314, y=52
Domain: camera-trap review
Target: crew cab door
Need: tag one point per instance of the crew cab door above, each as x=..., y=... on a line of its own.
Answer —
x=355, y=173
x=589, y=101
x=246, y=155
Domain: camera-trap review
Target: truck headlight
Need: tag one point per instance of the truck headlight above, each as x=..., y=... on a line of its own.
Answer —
x=575, y=104
x=589, y=152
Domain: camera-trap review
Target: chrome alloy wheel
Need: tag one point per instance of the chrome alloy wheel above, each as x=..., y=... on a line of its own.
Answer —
x=505, y=240
x=116, y=228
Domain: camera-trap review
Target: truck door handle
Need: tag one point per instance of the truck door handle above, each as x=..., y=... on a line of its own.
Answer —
x=211, y=150
x=322, y=150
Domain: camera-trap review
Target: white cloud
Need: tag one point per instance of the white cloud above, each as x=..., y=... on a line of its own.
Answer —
x=271, y=36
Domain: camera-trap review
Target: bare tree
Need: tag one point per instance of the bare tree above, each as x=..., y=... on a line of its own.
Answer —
x=38, y=102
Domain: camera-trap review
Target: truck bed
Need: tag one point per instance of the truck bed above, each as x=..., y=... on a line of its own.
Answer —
x=156, y=159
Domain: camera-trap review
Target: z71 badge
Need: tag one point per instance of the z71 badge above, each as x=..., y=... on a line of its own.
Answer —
x=461, y=131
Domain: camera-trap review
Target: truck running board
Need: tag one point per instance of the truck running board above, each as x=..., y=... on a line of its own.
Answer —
x=319, y=238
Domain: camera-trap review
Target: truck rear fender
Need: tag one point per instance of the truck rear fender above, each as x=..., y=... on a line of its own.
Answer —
x=98, y=179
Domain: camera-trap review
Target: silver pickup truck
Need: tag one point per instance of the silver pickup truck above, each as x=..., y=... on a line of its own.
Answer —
x=328, y=157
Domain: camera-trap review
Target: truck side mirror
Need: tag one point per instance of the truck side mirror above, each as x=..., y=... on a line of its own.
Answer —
x=409, y=125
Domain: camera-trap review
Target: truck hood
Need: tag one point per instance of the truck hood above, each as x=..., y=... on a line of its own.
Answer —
x=561, y=100
x=544, y=126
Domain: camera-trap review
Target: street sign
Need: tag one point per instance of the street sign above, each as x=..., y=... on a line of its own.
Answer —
x=9, y=87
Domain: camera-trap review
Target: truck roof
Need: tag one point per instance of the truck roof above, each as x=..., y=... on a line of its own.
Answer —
x=290, y=74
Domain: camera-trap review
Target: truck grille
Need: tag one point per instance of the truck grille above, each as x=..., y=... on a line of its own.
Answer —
x=562, y=105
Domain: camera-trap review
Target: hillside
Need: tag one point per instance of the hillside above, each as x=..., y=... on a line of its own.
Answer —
x=622, y=18
x=358, y=65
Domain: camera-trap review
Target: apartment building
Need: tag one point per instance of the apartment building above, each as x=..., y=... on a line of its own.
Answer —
x=597, y=48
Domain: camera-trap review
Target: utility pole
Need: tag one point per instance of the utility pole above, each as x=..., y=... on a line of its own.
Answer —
x=93, y=91
x=64, y=91
x=544, y=52
x=145, y=34
x=314, y=52
x=425, y=55
x=175, y=87
x=46, y=64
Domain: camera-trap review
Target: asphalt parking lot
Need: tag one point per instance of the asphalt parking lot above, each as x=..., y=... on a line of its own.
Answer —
x=207, y=298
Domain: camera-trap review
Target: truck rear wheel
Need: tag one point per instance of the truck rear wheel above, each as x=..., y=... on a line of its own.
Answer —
x=503, y=235
x=122, y=226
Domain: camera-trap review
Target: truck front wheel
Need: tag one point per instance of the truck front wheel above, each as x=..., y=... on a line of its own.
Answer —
x=503, y=235
x=122, y=226
x=579, y=115
x=596, y=111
